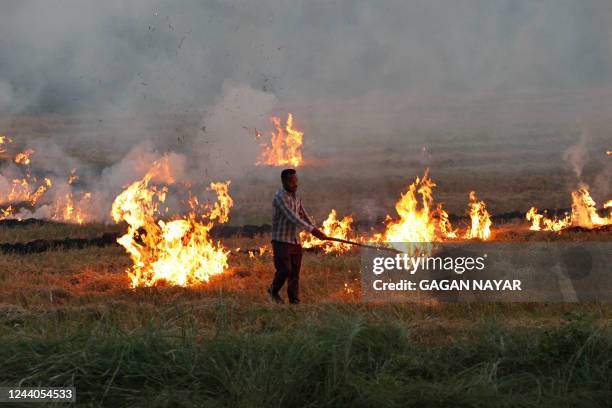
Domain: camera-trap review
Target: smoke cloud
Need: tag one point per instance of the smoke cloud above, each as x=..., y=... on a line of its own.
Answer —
x=198, y=78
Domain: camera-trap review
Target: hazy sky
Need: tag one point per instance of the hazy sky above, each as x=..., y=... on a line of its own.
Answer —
x=58, y=55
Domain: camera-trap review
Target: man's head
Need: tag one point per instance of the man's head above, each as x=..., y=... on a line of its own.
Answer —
x=290, y=180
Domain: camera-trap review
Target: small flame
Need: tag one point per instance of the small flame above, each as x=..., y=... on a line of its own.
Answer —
x=347, y=289
x=480, y=227
x=72, y=177
x=539, y=222
x=4, y=140
x=71, y=210
x=584, y=214
x=285, y=145
x=332, y=227
x=6, y=212
x=22, y=190
x=24, y=157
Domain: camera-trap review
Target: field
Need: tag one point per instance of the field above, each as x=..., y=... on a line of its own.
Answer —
x=69, y=316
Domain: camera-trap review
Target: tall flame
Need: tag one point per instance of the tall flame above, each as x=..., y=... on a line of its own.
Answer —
x=175, y=252
x=285, y=145
x=480, y=226
x=332, y=227
x=584, y=210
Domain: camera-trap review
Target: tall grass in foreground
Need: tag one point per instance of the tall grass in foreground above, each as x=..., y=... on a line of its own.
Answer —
x=342, y=360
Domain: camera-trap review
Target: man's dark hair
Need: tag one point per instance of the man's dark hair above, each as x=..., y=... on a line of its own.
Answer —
x=286, y=173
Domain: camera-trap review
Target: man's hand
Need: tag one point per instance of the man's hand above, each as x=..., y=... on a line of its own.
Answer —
x=319, y=234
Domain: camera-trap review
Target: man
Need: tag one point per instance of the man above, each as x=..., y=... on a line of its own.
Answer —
x=288, y=218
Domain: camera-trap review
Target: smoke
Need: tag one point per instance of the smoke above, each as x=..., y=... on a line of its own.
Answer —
x=577, y=154
x=226, y=145
x=198, y=78
x=6, y=95
x=591, y=168
x=121, y=56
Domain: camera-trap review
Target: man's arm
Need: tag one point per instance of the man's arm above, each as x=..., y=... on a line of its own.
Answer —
x=305, y=215
x=316, y=232
x=282, y=204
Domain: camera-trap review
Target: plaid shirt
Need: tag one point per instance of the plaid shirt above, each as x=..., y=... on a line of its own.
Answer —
x=288, y=217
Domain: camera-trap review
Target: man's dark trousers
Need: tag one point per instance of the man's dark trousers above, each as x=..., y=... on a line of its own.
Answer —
x=287, y=261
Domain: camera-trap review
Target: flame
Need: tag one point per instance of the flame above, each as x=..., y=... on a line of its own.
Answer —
x=347, y=289
x=72, y=177
x=584, y=214
x=65, y=207
x=609, y=152
x=177, y=252
x=332, y=227
x=68, y=209
x=539, y=222
x=285, y=145
x=255, y=253
x=584, y=210
x=480, y=227
x=419, y=222
x=3, y=141
x=22, y=190
x=24, y=157
x=6, y=212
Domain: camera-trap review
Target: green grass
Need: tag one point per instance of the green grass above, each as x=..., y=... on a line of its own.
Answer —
x=332, y=356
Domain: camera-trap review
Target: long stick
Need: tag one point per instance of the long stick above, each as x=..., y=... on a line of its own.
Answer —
x=346, y=241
